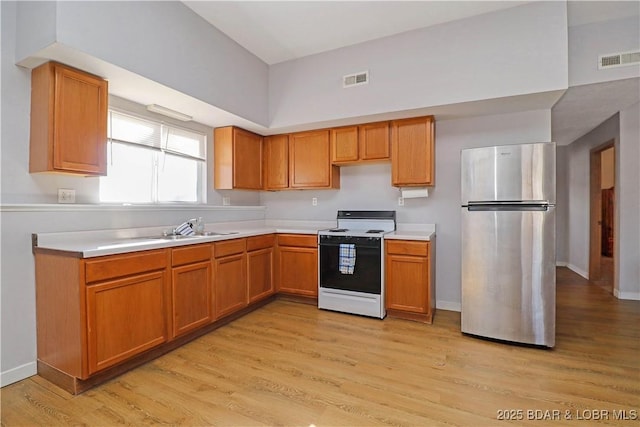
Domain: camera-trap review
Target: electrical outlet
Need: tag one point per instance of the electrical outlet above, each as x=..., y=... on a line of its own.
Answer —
x=314, y=201
x=226, y=201
x=66, y=195
x=400, y=201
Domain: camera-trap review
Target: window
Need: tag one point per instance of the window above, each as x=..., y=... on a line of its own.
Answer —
x=151, y=162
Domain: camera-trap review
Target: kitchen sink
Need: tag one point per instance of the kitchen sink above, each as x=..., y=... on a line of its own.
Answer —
x=176, y=237
x=192, y=236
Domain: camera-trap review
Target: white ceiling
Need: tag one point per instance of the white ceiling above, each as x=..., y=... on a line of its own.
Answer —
x=277, y=31
x=582, y=108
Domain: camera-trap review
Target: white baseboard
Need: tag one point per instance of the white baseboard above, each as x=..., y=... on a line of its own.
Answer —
x=17, y=374
x=448, y=305
x=626, y=295
x=578, y=271
x=561, y=263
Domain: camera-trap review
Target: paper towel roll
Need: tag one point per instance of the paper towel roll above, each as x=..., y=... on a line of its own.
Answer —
x=412, y=193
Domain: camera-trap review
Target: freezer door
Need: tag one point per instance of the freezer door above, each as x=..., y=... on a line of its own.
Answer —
x=509, y=173
x=508, y=275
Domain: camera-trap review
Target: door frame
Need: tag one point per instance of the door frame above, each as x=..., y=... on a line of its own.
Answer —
x=595, y=210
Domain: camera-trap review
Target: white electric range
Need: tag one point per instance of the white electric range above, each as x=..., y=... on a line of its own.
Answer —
x=351, y=263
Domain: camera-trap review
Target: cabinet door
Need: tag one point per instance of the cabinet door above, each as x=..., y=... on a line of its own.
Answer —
x=191, y=297
x=407, y=283
x=125, y=317
x=247, y=160
x=260, y=274
x=298, y=270
x=80, y=122
x=374, y=141
x=344, y=144
x=276, y=162
x=412, y=152
x=309, y=164
x=68, y=121
x=230, y=284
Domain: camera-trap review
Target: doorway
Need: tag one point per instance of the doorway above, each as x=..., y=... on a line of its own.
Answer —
x=602, y=216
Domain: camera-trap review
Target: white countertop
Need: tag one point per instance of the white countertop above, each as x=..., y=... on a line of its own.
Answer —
x=411, y=235
x=88, y=244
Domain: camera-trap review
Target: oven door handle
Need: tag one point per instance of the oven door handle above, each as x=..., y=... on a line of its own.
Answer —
x=358, y=245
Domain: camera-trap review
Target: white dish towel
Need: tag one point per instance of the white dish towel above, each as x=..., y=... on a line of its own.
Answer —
x=347, y=258
x=185, y=229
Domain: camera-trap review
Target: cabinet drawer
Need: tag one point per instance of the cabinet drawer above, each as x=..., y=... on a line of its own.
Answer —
x=190, y=254
x=124, y=265
x=260, y=242
x=300, y=240
x=404, y=247
x=229, y=247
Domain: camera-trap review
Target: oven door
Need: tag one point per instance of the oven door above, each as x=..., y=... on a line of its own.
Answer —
x=367, y=271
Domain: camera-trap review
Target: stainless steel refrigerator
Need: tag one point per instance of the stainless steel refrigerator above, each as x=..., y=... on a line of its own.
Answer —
x=508, y=242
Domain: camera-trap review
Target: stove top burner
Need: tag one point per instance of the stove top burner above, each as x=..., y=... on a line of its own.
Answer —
x=375, y=231
x=338, y=230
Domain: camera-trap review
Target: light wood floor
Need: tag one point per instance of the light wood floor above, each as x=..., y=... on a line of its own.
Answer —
x=291, y=364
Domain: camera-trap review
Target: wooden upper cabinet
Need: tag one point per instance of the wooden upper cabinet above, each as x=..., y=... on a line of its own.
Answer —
x=413, y=152
x=237, y=159
x=309, y=161
x=68, y=121
x=344, y=144
x=374, y=141
x=276, y=162
x=352, y=144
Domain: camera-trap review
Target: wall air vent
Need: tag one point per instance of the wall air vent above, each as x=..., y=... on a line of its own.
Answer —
x=356, y=79
x=621, y=59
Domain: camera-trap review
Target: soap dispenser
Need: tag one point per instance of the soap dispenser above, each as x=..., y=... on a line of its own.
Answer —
x=199, y=227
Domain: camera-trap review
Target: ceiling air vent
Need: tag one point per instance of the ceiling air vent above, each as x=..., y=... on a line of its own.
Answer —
x=356, y=79
x=621, y=59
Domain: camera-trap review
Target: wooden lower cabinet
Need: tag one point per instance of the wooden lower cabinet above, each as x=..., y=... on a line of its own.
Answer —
x=410, y=290
x=191, y=288
x=98, y=317
x=125, y=317
x=298, y=264
x=95, y=313
x=260, y=255
x=230, y=276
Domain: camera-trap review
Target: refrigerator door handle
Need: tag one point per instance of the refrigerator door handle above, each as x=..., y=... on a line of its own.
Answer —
x=508, y=207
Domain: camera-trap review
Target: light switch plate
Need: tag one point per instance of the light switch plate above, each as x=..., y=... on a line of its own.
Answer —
x=226, y=201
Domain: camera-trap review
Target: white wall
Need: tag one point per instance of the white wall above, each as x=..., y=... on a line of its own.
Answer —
x=18, y=185
x=578, y=161
x=163, y=41
x=369, y=187
x=562, y=205
x=588, y=41
x=515, y=51
x=628, y=194
x=623, y=128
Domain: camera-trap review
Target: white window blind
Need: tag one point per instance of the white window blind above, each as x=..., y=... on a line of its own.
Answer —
x=134, y=130
x=152, y=162
x=186, y=143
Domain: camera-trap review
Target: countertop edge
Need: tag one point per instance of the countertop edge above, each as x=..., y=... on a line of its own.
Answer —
x=82, y=249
